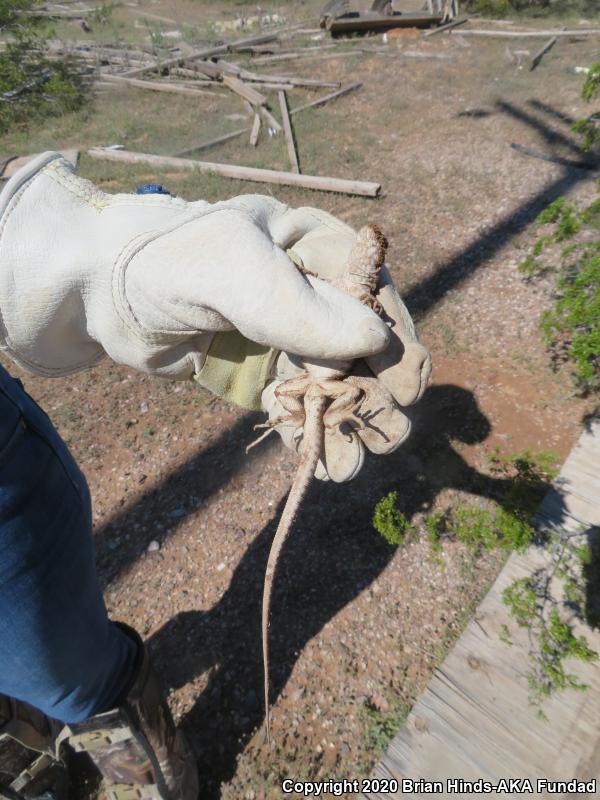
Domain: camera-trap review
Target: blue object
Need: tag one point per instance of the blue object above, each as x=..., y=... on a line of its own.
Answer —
x=58, y=650
x=152, y=188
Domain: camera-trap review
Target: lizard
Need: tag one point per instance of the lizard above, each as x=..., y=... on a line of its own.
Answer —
x=317, y=400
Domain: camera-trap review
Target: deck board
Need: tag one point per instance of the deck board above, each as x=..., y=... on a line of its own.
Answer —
x=474, y=720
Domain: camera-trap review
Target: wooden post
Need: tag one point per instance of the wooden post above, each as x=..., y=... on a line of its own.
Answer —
x=362, y=188
x=288, y=132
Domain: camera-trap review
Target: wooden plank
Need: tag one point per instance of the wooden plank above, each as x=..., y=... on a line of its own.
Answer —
x=288, y=132
x=474, y=720
x=243, y=90
x=363, y=188
x=454, y=24
x=270, y=120
x=255, y=130
x=157, y=86
x=527, y=34
x=207, y=53
x=542, y=52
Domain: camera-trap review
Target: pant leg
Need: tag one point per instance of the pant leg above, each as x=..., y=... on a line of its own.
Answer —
x=58, y=650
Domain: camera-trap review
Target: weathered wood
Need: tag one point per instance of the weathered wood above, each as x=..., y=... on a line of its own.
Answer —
x=243, y=90
x=320, y=101
x=474, y=720
x=526, y=34
x=207, y=53
x=158, y=86
x=270, y=120
x=542, y=52
x=343, y=186
x=356, y=21
x=311, y=57
x=288, y=132
x=352, y=87
x=448, y=26
x=255, y=130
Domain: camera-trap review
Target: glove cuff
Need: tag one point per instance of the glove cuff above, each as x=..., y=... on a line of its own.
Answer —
x=237, y=369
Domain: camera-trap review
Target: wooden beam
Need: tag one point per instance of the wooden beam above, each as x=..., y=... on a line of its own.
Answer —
x=527, y=34
x=255, y=130
x=207, y=53
x=320, y=101
x=542, y=52
x=157, y=86
x=243, y=90
x=362, y=188
x=454, y=24
x=288, y=132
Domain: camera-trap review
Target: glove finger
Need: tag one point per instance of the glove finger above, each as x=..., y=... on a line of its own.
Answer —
x=250, y=283
x=344, y=455
x=405, y=366
x=385, y=426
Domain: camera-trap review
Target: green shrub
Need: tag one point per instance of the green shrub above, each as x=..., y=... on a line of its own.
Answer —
x=32, y=86
x=389, y=521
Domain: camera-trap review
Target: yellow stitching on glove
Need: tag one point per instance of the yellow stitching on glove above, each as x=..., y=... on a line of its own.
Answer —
x=237, y=369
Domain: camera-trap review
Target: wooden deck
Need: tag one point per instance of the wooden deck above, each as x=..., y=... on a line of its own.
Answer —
x=474, y=720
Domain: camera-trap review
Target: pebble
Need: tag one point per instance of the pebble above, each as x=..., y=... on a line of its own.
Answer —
x=153, y=546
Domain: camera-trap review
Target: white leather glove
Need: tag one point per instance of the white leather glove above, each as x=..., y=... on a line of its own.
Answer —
x=196, y=290
x=150, y=279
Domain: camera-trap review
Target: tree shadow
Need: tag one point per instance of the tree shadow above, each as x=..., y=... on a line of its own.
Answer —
x=332, y=555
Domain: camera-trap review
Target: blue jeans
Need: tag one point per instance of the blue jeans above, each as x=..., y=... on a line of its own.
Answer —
x=58, y=650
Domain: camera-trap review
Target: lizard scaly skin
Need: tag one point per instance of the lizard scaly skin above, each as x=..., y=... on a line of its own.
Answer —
x=317, y=400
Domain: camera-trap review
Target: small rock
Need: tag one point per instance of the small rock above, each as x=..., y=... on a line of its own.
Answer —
x=221, y=566
x=153, y=546
x=144, y=407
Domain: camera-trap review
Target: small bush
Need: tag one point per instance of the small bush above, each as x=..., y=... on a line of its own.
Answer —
x=389, y=521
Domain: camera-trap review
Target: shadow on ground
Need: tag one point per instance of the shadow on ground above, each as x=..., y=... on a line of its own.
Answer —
x=332, y=555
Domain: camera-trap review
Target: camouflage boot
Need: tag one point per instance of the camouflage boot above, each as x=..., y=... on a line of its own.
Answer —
x=136, y=746
x=30, y=766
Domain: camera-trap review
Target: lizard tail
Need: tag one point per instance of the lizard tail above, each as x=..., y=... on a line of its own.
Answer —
x=313, y=440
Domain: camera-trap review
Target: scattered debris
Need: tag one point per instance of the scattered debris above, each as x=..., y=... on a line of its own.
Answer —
x=323, y=184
